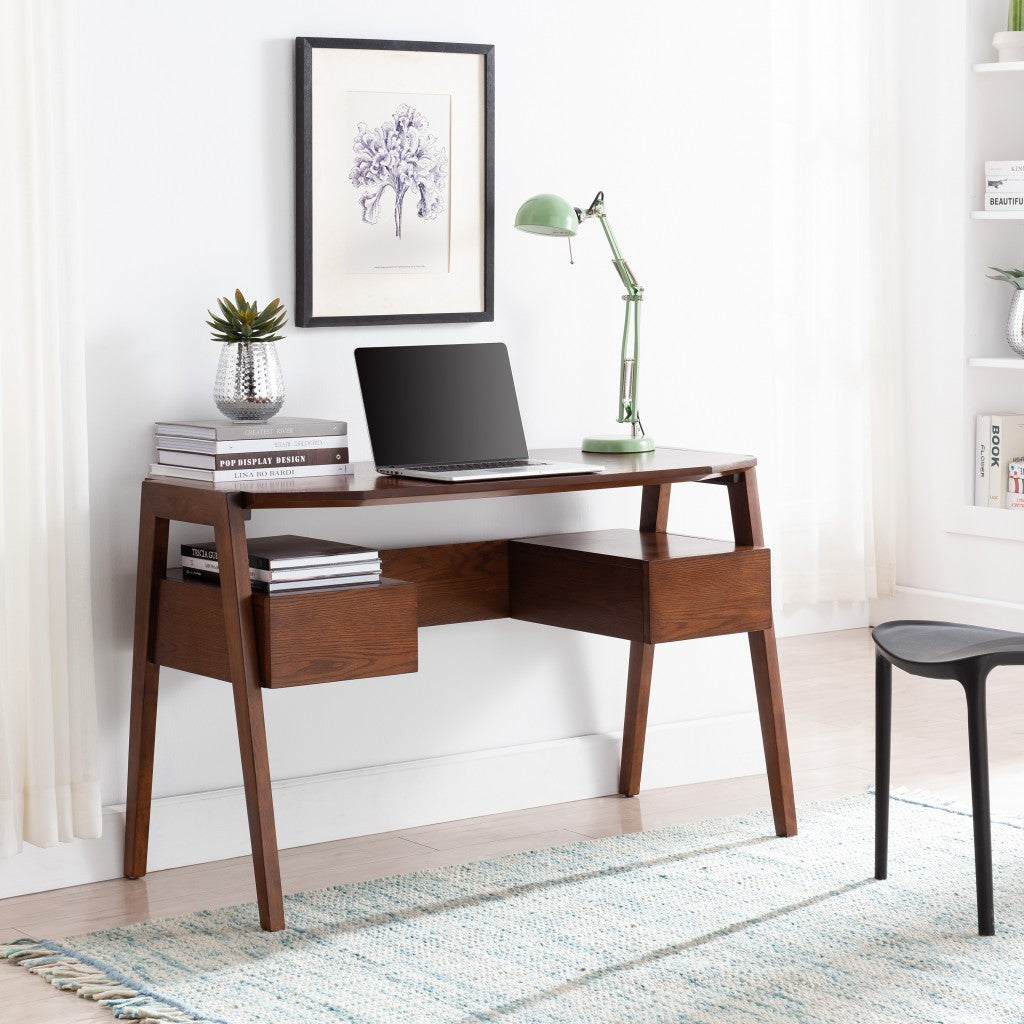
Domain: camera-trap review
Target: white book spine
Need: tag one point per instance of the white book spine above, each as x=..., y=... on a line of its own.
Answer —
x=226, y=476
x=1004, y=200
x=260, y=444
x=981, y=460
x=1004, y=168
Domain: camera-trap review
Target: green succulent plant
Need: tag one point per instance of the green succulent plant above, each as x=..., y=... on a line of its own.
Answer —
x=1015, y=16
x=244, y=322
x=1014, y=277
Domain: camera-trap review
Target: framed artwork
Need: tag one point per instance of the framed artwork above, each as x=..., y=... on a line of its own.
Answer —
x=394, y=161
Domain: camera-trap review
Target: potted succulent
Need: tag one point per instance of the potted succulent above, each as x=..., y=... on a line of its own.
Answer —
x=1015, y=321
x=1010, y=44
x=249, y=384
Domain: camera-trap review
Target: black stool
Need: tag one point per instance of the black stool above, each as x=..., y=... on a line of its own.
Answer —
x=942, y=650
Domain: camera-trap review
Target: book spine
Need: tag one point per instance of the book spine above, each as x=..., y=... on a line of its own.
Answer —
x=1004, y=185
x=1015, y=501
x=982, y=426
x=195, y=551
x=252, y=431
x=188, y=573
x=264, y=460
x=1004, y=168
x=1004, y=201
x=169, y=442
x=996, y=486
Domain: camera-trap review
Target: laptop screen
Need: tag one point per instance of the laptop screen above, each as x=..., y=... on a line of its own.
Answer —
x=428, y=404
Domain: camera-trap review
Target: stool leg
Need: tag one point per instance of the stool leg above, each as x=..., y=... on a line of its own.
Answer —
x=977, y=734
x=883, y=749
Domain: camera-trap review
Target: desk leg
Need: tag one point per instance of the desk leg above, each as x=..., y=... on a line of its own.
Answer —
x=746, y=522
x=236, y=592
x=653, y=519
x=145, y=682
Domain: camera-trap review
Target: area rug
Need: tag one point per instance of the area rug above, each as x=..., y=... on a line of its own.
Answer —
x=718, y=922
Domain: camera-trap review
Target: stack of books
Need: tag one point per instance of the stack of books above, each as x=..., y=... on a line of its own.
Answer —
x=998, y=458
x=288, y=563
x=1004, y=185
x=220, y=451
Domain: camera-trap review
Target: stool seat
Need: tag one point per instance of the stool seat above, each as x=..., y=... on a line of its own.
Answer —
x=923, y=643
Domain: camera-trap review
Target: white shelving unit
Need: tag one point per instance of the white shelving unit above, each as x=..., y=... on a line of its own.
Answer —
x=1009, y=65
x=1011, y=363
x=990, y=380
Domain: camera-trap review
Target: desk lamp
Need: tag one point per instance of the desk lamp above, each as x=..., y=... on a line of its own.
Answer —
x=553, y=215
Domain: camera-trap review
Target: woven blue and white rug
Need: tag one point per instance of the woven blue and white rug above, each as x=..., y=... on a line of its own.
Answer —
x=718, y=922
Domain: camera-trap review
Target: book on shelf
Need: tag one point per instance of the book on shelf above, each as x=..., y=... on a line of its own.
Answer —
x=1004, y=185
x=253, y=460
x=1004, y=168
x=999, y=440
x=205, y=446
x=276, y=588
x=228, y=430
x=1004, y=201
x=1015, y=501
x=288, y=551
x=306, y=572
x=225, y=476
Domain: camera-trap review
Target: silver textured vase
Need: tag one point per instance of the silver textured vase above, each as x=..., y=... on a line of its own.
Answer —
x=249, y=384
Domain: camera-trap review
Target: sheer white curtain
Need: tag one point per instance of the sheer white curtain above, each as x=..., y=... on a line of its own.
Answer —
x=835, y=298
x=49, y=776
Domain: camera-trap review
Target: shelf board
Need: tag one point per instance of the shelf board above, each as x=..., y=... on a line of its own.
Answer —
x=997, y=215
x=1002, y=363
x=998, y=523
x=1006, y=65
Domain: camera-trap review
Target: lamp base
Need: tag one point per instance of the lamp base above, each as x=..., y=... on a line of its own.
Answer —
x=618, y=445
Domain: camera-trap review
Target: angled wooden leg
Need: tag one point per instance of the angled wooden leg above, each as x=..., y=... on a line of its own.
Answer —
x=653, y=519
x=236, y=594
x=764, y=656
x=145, y=682
x=634, y=729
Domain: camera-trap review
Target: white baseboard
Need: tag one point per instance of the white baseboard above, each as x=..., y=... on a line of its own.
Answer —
x=201, y=827
x=912, y=603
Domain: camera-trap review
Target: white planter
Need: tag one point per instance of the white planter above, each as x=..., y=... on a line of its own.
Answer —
x=1009, y=45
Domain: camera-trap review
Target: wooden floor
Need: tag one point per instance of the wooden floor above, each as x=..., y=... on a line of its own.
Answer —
x=828, y=683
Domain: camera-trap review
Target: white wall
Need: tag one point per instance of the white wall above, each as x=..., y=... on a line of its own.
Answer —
x=185, y=125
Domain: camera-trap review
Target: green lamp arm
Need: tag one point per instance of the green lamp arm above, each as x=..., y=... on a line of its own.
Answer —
x=630, y=361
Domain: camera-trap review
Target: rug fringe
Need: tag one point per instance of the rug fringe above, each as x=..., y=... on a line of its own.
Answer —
x=70, y=975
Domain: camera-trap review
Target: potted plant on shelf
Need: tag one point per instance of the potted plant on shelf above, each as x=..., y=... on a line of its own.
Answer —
x=249, y=384
x=1015, y=321
x=1010, y=44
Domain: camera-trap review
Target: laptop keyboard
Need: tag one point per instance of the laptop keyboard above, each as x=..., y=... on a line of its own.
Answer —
x=452, y=467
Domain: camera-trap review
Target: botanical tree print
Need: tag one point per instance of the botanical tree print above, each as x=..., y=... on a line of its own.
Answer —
x=399, y=155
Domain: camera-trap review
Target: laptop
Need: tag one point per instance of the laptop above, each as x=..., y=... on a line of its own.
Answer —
x=447, y=413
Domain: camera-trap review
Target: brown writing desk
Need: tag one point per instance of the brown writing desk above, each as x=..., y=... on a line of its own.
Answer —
x=646, y=586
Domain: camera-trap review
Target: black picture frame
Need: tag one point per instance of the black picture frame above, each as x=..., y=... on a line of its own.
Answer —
x=305, y=214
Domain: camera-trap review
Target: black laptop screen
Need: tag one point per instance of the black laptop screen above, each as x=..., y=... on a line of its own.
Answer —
x=428, y=404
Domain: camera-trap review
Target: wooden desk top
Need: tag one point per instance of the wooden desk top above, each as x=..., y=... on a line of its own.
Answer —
x=365, y=487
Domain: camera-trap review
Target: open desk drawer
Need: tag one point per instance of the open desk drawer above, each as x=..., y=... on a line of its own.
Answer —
x=312, y=637
x=652, y=587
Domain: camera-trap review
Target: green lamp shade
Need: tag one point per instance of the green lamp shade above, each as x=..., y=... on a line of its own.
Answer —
x=548, y=215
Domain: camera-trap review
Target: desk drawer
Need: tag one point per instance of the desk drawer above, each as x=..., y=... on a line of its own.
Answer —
x=652, y=587
x=314, y=637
